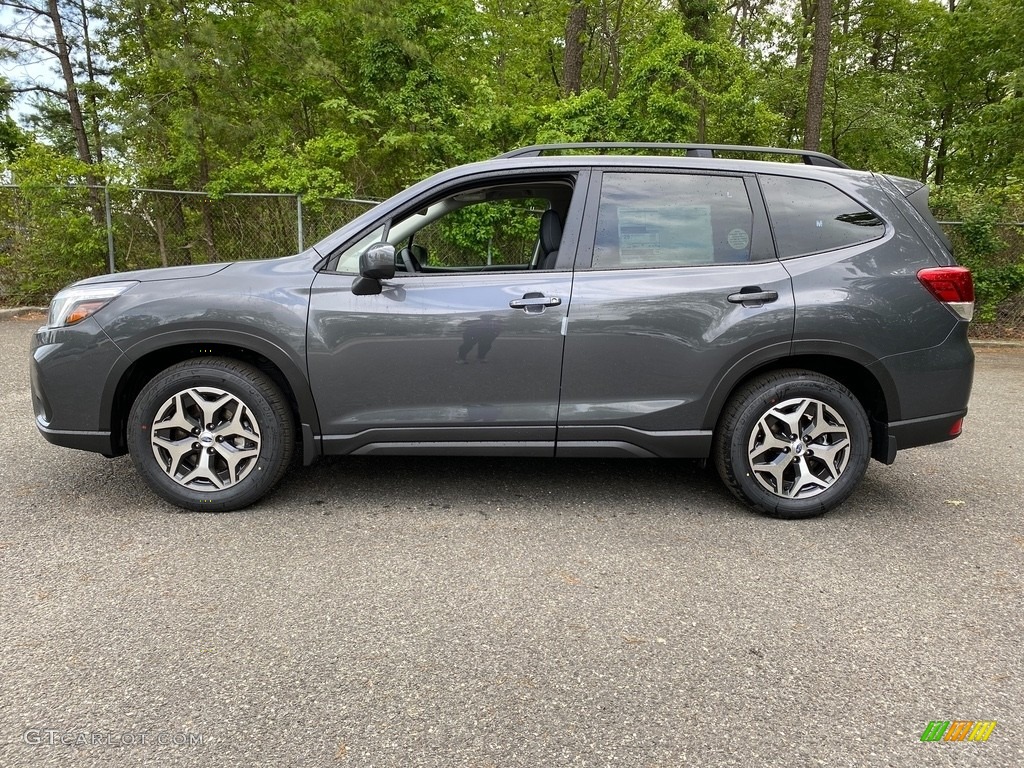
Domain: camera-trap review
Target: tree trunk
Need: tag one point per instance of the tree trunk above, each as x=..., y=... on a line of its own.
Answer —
x=206, y=205
x=90, y=97
x=572, y=64
x=926, y=164
x=612, y=33
x=75, y=109
x=74, y=106
x=819, y=70
x=943, y=150
x=805, y=28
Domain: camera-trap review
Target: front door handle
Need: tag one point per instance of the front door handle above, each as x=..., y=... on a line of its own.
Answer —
x=753, y=296
x=535, y=302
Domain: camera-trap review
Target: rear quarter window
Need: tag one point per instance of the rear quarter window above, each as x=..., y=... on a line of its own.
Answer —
x=810, y=216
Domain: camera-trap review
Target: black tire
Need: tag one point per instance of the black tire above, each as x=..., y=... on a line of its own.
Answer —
x=792, y=482
x=217, y=467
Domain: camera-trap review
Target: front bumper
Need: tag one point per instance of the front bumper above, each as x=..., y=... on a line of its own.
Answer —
x=97, y=442
x=70, y=370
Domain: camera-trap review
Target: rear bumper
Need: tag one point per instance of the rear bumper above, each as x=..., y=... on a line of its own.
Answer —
x=933, y=389
x=914, y=432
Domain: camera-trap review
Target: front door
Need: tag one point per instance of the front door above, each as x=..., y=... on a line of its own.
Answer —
x=462, y=350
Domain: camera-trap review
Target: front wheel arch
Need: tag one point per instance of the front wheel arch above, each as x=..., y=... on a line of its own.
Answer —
x=128, y=383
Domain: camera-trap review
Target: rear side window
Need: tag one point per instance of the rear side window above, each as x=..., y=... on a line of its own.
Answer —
x=810, y=216
x=671, y=220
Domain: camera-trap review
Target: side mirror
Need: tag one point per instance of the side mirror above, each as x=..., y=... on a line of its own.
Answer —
x=376, y=263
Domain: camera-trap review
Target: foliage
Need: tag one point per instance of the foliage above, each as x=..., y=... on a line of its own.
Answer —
x=56, y=239
x=11, y=136
x=329, y=98
x=360, y=97
x=494, y=233
x=980, y=242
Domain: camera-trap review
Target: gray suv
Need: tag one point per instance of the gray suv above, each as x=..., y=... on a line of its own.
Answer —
x=788, y=321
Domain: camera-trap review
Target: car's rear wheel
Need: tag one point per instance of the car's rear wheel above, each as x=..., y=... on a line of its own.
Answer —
x=792, y=444
x=211, y=434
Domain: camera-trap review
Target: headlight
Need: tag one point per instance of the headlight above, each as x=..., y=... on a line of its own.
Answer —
x=74, y=304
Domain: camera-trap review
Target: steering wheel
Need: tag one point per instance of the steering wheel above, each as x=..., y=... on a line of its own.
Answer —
x=409, y=262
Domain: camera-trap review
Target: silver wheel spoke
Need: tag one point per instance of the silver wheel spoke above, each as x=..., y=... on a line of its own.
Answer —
x=178, y=419
x=775, y=469
x=210, y=407
x=771, y=442
x=805, y=480
x=203, y=471
x=829, y=453
x=825, y=424
x=175, y=450
x=241, y=425
x=234, y=456
x=789, y=416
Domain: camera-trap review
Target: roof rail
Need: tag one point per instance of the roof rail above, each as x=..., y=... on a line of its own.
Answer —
x=692, y=150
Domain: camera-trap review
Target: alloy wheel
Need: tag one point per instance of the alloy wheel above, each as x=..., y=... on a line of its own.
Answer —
x=205, y=438
x=799, y=448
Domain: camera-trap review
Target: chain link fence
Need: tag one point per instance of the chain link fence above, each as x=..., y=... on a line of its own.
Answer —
x=50, y=236
x=164, y=228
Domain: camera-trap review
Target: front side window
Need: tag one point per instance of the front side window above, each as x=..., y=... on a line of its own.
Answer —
x=488, y=233
x=810, y=216
x=672, y=220
x=504, y=226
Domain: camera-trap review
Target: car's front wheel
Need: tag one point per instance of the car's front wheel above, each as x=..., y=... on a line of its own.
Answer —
x=792, y=444
x=211, y=434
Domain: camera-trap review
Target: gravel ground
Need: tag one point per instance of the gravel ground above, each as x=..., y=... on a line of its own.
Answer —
x=439, y=612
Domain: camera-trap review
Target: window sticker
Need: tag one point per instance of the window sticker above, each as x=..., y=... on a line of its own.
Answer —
x=676, y=235
x=738, y=239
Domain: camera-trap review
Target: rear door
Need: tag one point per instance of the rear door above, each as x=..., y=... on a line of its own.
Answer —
x=677, y=292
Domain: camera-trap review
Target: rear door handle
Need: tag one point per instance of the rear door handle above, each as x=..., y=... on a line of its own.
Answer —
x=535, y=302
x=752, y=296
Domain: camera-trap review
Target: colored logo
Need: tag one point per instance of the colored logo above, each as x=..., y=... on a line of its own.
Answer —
x=958, y=730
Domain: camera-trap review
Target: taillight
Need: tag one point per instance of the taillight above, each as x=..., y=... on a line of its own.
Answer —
x=953, y=286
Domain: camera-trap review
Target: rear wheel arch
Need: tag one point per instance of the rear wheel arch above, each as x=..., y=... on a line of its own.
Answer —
x=792, y=443
x=870, y=385
x=876, y=392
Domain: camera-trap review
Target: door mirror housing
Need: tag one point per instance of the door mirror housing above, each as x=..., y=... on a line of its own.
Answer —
x=376, y=263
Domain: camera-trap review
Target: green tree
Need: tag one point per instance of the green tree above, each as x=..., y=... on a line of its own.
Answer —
x=56, y=239
x=976, y=93
x=12, y=137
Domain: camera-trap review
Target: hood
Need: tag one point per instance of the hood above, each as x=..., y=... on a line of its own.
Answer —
x=163, y=273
